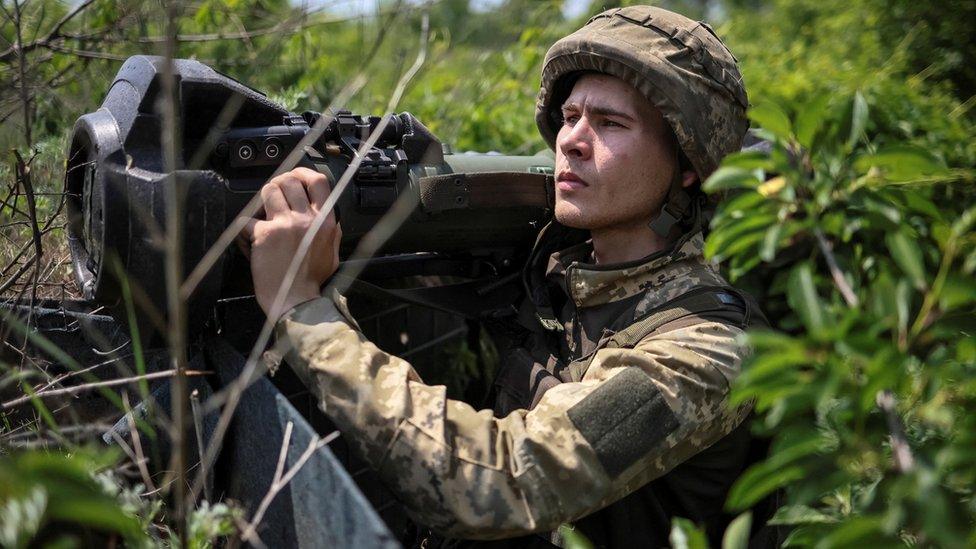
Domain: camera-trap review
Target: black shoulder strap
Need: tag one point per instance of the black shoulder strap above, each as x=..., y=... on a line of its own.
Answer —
x=697, y=303
x=720, y=303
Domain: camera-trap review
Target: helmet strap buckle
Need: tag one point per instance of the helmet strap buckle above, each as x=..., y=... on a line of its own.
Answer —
x=676, y=204
x=673, y=212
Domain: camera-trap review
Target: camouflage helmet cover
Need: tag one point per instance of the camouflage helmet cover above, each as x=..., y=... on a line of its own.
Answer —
x=678, y=64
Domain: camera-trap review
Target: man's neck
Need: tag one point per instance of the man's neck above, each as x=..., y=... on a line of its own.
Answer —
x=622, y=244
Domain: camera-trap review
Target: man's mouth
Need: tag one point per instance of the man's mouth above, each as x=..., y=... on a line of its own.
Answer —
x=569, y=181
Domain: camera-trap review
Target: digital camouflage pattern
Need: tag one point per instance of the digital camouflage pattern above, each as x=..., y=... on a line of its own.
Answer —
x=678, y=64
x=469, y=474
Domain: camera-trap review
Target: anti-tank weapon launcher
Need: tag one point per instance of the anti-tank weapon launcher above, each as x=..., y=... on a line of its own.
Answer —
x=473, y=216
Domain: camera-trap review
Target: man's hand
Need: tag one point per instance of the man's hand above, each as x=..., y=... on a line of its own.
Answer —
x=291, y=203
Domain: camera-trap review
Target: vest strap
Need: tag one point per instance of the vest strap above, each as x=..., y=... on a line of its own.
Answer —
x=708, y=301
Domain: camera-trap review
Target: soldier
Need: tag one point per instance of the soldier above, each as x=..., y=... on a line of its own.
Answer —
x=611, y=408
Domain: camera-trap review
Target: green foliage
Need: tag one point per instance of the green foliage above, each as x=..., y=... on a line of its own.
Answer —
x=54, y=498
x=574, y=539
x=851, y=235
x=686, y=535
x=855, y=230
x=209, y=523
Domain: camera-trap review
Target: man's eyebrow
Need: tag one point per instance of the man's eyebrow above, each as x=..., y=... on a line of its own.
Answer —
x=600, y=110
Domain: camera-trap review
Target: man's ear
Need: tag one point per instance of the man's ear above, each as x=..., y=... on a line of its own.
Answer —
x=688, y=178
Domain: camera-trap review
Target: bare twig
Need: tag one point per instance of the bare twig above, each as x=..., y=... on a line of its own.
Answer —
x=24, y=179
x=86, y=54
x=198, y=429
x=137, y=444
x=845, y=289
x=282, y=478
x=231, y=395
x=98, y=384
x=53, y=35
x=176, y=305
x=16, y=276
x=22, y=68
x=900, y=449
x=61, y=378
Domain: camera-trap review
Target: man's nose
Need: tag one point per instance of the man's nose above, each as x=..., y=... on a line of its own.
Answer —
x=577, y=140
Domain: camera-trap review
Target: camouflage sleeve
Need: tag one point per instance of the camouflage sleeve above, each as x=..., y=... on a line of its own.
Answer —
x=635, y=415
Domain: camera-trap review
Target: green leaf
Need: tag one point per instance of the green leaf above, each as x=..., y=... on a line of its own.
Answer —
x=726, y=178
x=755, y=484
x=770, y=243
x=810, y=119
x=859, y=119
x=964, y=222
x=573, y=538
x=857, y=531
x=922, y=205
x=96, y=511
x=734, y=232
x=21, y=517
x=804, y=300
x=779, y=469
x=902, y=163
x=748, y=160
x=904, y=249
x=737, y=534
x=800, y=514
x=957, y=291
x=686, y=535
x=770, y=117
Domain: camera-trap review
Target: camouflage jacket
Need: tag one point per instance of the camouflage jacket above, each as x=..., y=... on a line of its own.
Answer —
x=632, y=416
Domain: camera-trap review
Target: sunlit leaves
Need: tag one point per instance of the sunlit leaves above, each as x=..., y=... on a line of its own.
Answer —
x=904, y=250
x=771, y=118
x=686, y=535
x=803, y=298
x=859, y=244
x=49, y=487
x=859, y=119
x=810, y=120
x=727, y=178
x=737, y=534
x=902, y=163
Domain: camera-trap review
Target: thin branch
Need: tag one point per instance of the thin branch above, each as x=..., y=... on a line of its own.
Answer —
x=282, y=478
x=174, y=198
x=99, y=384
x=845, y=289
x=198, y=428
x=85, y=54
x=61, y=378
x=137, y=443
x=54, y=34
x=16, y=276
x=22, y=67
x=901, y=450
x=235, y=389
x=24, y=178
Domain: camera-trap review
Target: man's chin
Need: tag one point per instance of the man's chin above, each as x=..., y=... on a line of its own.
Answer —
x=572, y=218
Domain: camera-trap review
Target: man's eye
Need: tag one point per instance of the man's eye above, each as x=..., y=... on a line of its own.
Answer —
x=570, y=119
x=613, y=124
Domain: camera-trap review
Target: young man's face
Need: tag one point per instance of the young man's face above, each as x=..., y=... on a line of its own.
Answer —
x=615, y=157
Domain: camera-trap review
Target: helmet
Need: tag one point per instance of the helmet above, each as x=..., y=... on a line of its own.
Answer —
x=679, y=65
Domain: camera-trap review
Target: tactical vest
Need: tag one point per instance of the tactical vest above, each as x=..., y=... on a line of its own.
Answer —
x=695, y=489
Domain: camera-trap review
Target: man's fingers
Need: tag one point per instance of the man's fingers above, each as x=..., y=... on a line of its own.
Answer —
x=246, y=237
x=247, y=231
x=317, y=185
x=274, y=200
x=294, y=191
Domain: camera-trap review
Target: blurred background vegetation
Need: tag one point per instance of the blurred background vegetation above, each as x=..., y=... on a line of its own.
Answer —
x=860, y=244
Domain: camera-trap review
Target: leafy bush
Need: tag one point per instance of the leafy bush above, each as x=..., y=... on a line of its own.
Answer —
x=855, y=230
x=866, y=254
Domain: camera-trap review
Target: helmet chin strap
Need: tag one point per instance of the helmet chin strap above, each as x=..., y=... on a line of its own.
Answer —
x=677, y=204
